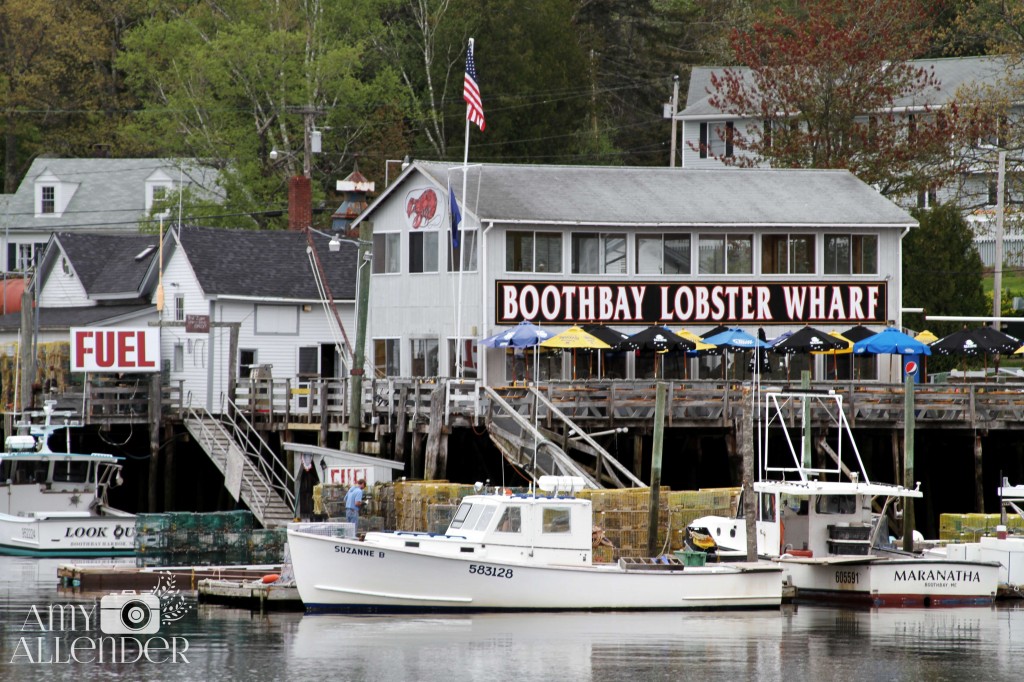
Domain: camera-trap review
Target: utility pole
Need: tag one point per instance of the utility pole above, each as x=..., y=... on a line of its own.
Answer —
x=997, y=267
x=675, y=108
x=355, y=410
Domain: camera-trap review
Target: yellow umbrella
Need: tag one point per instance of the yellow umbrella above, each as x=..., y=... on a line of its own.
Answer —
x=690, y=336
x=837, y=352
x=574, y=337
x=1019, y=351
x=926, y=337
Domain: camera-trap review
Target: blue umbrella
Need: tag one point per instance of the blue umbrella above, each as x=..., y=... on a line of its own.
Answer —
x=734, y=339
x=737, y=339
x=891, y=341
x=523, y=335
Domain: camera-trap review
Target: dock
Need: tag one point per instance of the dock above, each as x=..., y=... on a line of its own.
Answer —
x=254, y=595
x=116, y=576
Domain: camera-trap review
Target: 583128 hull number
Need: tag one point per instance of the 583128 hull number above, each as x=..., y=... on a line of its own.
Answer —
x=492, y=571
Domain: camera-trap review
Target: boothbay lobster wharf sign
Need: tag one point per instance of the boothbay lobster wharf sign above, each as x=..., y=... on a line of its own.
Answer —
x=711, y=303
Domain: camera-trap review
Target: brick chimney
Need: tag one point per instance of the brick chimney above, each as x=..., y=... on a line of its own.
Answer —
x=300, y=203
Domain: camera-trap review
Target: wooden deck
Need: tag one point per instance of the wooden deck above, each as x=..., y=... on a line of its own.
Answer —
x=395, y=403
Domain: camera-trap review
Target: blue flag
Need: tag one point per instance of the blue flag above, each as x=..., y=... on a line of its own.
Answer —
x=454, y=215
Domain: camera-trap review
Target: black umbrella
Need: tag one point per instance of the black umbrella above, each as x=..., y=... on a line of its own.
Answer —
x=657, y=339
x=808, y=340
x=858, y=333
x=983, y=341
x=612, y=337
x=712, y=332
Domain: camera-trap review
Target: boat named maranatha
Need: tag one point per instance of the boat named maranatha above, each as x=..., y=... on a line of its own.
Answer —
x=516, y=553
x=827, y=526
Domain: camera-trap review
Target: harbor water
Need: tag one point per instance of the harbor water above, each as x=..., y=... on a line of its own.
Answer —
x=217, y=643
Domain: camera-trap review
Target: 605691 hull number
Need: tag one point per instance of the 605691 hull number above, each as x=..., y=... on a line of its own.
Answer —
x=492, y=571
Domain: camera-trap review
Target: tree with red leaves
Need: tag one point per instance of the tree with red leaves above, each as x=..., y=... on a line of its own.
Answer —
x=829, y=84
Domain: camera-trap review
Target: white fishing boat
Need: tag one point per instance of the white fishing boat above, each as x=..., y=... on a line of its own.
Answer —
x=828, y=526
x=55, y=503
x=515, y=553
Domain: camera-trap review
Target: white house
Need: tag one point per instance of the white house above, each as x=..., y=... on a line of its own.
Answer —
x=95, y=195
x=707, y=130
x=626, y=247
x=259, y=286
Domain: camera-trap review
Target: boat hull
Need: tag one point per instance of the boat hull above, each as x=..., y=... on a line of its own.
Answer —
x=67, y=536
x=872, y=581
x=335, y=574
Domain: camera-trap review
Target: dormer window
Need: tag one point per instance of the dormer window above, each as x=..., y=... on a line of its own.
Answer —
x=48, y=199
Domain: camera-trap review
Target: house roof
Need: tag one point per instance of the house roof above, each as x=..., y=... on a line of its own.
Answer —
x=80, y=316
x=106, y=265
x=952, y=74
x=666, y=197
x=111, y=192
x=267, y=263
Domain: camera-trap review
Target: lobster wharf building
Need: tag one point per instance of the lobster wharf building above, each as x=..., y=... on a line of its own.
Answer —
x=624, y=247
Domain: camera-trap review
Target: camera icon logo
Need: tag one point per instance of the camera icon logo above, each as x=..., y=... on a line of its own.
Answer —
x=130, y=613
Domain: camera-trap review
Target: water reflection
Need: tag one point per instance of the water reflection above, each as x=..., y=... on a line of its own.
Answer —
x=795, y=643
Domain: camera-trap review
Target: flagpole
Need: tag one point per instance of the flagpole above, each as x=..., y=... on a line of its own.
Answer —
x=465, y=179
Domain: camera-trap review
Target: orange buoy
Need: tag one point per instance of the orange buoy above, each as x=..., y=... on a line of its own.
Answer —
x=271, y=578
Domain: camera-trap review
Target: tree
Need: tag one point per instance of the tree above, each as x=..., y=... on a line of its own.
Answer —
x=822, y=83
x=942, y=271
x=226, y=83
x=54, y=79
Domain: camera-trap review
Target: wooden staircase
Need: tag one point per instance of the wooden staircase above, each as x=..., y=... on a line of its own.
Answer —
x=247, y=464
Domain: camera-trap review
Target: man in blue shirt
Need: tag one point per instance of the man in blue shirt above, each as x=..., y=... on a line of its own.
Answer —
x=354, y=502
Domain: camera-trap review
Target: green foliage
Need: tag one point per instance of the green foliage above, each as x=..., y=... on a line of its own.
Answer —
x=942, y=271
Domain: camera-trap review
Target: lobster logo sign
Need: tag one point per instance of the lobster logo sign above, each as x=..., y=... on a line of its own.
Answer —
x=421, y=209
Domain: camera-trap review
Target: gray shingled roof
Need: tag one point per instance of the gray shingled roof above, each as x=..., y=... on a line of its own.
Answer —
x=952, y=73
x=111, y=193
x=583, y=195
x=108, y=265
x=63, y=318
x=266, y=263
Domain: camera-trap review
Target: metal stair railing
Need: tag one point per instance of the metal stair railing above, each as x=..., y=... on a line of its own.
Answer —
x=261, y=484
x=564, y=462
x=260, y=454
x=606, y=457
x=257, y=497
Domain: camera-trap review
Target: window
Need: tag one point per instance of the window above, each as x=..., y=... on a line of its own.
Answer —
x=309, y=361
x=783, y=254
x=246, y=361
x=993, y=191
x=716, y=139
x=23, y=257
x=851, y=254
x=386, y=253
x=461, y=514
x=599, y=254
x=48, y=203
x=533, y=252
x=178, y=364
x=662, y=254
x=556, y=520
x=424, y=358
x=465, y=252
x=179, y=308
x=725, y=254
x=423, y=251
x=927, y=198
x=511, y=521
x=385, y=358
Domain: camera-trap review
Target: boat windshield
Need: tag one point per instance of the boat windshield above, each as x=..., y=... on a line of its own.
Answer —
x=836, y=504
x=556, y=520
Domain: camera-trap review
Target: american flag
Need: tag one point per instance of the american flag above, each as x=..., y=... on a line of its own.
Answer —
x=471, y=91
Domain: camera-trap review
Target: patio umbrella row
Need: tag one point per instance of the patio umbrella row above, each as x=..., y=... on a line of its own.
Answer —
x=858, y=340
